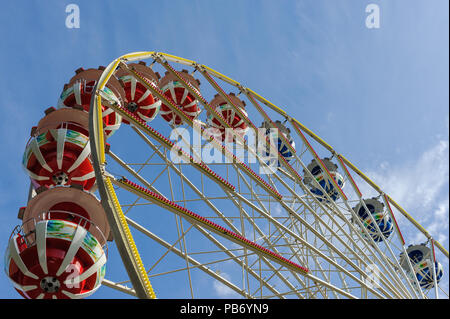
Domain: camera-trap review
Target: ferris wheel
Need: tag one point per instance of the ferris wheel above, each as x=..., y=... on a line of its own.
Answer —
x=201, y=184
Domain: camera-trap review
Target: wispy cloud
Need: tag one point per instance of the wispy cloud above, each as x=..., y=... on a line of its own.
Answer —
x=223, y=291
x=438, y=223
x=416, y=184
x=420, y=187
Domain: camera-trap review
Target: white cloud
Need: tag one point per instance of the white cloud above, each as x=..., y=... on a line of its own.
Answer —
x=421, y=188
x=222, y=290
x=438, y=225
x=416, y=185
x=277, y=211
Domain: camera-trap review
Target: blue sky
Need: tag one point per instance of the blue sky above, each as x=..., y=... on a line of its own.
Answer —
x=378, y=96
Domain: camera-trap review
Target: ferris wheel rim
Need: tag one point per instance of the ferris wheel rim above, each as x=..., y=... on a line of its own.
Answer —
x=98, y=151
x=139, y=55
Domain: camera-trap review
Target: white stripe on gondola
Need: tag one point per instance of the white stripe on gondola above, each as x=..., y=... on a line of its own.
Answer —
x=14, y=252
x=37, y=152
x=77, y=92
x=190, y=104
x=107, y=112
x=144, y=96
x=133, y=87
x=36, y=177
x=239, y=123
x=84, y=154
x=185, y=94
x=75, y=244
x=214, y=124
x=172, y=92
x=169, y=111
x=23, y=288
x=61, y=139
x=230, y=114
x=112, y=127
x=80, y=296
x=89, y=272
x=192, y=114
x=145, y=118
x=41, y=244
x=151, y=106
x=84, y=177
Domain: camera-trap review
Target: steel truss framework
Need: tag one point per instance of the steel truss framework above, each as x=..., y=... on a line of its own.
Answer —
x=256, y=235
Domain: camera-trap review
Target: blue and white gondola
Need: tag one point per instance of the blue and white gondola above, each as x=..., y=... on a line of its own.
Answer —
x=379, y=215
x=273, y=134
x=321, y=177
x=421, y=260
